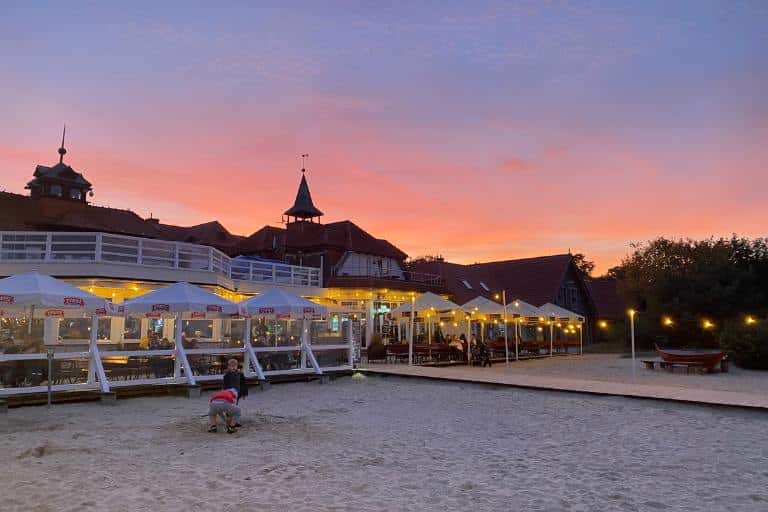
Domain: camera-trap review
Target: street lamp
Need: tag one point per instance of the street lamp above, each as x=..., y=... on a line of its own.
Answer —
x=410, y=333
x=506, y=338
x=750, y=320
x=632, y=314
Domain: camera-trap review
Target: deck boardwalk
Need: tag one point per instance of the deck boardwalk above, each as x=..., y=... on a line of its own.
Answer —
x=508, y=377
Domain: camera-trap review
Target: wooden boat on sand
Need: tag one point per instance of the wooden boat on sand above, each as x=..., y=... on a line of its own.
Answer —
x=708, y=358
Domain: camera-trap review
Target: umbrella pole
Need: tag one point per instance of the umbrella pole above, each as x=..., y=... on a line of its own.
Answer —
x=468, y=347
x=551, y=337
x=29, y=325
x=506, y=334
x=410, y=332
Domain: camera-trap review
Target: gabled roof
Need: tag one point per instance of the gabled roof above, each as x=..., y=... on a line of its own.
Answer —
x=344, y=235
x=19, y=212
x=534, y=280
x=608, y=302
x=303, y=207
x=209, y=233
x=60, y=172
x=267, y=239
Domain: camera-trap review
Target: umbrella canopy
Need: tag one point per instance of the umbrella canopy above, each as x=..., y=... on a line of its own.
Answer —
x=483, y=306
x=521, y=309
x=189, y=300
x=426, y=302
x=46, y=296
x=278, y=303
x=550, y=310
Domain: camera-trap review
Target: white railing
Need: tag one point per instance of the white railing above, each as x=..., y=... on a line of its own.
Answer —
x=168, y=367
x=79, y=247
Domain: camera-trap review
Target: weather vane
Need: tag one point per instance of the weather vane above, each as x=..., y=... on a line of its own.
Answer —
x=304, y=156
x=62, y=151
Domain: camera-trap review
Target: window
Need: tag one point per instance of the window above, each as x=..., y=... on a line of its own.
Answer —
x=485, y=287
x=466, y=283
x=56, y=190
x=74, y=193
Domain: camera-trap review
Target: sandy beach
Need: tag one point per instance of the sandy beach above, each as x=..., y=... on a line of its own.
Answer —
x=371, y=443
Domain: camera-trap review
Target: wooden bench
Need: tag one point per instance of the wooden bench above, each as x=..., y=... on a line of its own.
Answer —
x=651, y=363
x=689, y=366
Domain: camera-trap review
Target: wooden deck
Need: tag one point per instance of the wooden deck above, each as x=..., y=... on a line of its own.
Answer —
x=508, y=377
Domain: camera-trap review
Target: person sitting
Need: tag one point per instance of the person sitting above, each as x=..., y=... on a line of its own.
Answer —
x=223, y=403
x=481, y=354
x=235, y=379
x=145, y=341
x=456, y=348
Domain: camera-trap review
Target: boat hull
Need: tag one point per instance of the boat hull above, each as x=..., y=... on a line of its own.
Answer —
x=709, y=359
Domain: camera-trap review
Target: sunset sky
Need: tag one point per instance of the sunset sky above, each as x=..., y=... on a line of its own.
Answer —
x=476, y=130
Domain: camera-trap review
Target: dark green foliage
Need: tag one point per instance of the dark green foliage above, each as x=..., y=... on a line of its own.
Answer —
x=692, y=281
x=746, y=344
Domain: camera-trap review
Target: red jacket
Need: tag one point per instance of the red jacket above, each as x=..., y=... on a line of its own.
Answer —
x=224, y=394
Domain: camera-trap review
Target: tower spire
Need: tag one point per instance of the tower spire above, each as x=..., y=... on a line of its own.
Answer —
x=62, y=150
x=303, y=208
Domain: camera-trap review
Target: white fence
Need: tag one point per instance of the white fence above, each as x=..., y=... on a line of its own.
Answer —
x=79, y=247
x=73, y=371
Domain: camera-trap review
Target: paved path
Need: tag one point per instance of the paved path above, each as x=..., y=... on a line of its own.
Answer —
x=508, y=377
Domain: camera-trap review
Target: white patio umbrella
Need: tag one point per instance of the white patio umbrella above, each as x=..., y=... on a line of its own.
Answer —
x=519, y=309
x=426, y=304
x=46, y=296
x=183, y=299
x=43, y=296
x=554, y=312
x=180, y=301
x=277, y=303
x=484, y=306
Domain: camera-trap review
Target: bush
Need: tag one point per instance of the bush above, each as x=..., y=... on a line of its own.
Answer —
x=747, y=345
x=376, y=350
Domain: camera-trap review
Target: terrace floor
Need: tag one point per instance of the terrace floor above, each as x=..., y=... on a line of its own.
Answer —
x=605, y=374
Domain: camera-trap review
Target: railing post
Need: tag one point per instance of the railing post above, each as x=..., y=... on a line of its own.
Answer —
x=99, y=236
x=48, y=243
x=96, y=356
x=250, y=271
x=175, y=255
x=274, y=272
x=292, y=276
x=140, y=255
x=210, y=259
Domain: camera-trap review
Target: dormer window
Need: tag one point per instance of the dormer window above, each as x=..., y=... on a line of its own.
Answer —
x=485, y=286
x=56, y=191
x=75, y=193
x=466, y=283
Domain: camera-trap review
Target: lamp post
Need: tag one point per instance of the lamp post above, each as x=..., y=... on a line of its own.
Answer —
x=506, y=337
x=410, y=331
x=581, y=338
x=632, y=314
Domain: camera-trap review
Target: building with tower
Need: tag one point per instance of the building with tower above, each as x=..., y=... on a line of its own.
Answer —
x=119, y=254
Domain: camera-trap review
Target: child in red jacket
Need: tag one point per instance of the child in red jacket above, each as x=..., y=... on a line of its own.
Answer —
x=223, y=403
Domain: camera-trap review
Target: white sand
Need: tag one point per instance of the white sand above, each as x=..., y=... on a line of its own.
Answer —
x=386, y=444
x=614, y=368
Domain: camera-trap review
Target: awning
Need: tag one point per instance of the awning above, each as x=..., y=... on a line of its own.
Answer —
x=278, y=303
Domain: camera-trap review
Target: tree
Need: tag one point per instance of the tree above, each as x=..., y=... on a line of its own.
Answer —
x=584, y=265
x=692, y=281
